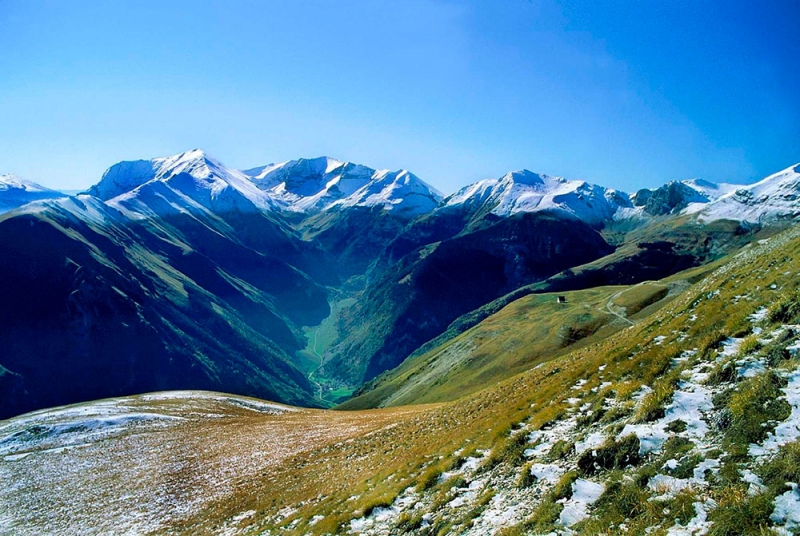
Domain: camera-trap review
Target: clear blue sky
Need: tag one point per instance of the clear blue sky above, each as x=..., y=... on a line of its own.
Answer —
x=626, y=94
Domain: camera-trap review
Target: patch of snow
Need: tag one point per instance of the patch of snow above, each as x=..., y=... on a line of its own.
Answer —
x=789, y=430
x=688, y=403
x=667, y=486
x=759, y=315
x=747, y=368
x=547, y=472
x=592, y=441
x=699, y=524
x=787, y=509
x=730, y=346
x=584, y=494
x=756, y=486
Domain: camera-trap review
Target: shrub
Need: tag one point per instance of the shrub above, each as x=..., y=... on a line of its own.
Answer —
x=686, y=466
x=722, y=373
x=675, y=447
x=653, y=404
x=560, y=450
x=525, y=478
x=782, y=468
x=429, y=479
x=786, y=311
x=738, y=512
x=677, y=426
x=750, y=345
x=563, y=488
x=512, y=451
x=611, y=455
x=622, y=502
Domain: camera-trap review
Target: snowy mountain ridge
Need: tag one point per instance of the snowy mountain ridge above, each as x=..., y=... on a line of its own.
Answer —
x=196, y=182
x=192, y=180
x=321, y=183
x=772, y=199
x=526, y=191
x=16, y=191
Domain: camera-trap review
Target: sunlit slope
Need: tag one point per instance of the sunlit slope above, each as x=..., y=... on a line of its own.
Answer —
x=524, y=334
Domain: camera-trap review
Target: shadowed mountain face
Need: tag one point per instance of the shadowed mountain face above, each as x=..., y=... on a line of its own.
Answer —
x=420, y=295
x=97, y=307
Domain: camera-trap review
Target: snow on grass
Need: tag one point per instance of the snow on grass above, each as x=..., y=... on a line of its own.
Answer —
x=592, y=441
x=749, y=367
x=787, y=510
x=759, y=315
x=501, y=511
x=749, y=477
x=579, y=384
x=547, y=472
x=668, y=486
x=547, y=437
x=384, y=515
x=708, y=464
x=584, y=494
x=75, y=431
x=789, y=430
x=730, y=346
x=688, y=404
x=698, y=525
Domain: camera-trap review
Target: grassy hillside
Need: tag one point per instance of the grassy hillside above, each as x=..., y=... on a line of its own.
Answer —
x=523, y=334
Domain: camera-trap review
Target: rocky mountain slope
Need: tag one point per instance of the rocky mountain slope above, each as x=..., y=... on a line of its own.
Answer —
x=686, y=422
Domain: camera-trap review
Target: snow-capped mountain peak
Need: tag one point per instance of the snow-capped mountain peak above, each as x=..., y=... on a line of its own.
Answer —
x=322, y=183
x=191, y=180
x=526, y=191
x=13, y=182
x=16, y=191
x=777, y=197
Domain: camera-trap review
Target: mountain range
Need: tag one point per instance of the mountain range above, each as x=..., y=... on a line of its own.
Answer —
x=305, y=280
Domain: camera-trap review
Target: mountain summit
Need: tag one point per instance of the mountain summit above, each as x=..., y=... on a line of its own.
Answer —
x=526, y=191
x=309, y=185
x=192, y=180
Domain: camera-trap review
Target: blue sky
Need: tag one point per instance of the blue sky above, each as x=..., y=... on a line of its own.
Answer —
x=625, y=94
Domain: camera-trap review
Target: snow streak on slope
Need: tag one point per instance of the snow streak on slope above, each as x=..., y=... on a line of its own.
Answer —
x=525, y=191
x=321, y=183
